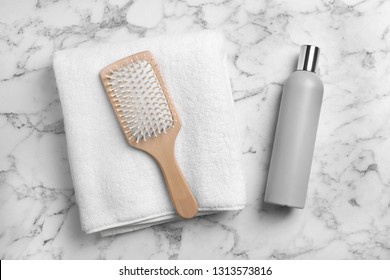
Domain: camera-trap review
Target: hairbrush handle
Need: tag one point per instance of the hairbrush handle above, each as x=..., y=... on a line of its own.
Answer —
x=181, y=195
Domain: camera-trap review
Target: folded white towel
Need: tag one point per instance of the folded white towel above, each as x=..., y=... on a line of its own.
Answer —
x=119, y=188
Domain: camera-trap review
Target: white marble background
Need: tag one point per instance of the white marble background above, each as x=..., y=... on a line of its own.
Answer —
x=348, y=206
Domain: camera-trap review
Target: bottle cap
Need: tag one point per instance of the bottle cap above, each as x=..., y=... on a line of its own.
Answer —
x=308, y=58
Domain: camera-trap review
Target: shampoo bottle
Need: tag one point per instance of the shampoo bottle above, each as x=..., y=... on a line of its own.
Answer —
x=295, y=135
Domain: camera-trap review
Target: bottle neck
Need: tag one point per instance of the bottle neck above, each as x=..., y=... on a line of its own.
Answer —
x=308, y=58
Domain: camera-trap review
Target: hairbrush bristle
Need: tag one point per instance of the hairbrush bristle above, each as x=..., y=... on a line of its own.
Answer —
x=138, y=97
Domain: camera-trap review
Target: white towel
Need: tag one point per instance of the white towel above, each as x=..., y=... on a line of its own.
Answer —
x=119, y=188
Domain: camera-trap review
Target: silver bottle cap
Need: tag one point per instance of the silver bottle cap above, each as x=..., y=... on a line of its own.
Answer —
x=308, y=58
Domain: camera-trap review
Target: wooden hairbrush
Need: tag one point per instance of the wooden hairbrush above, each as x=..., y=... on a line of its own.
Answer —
x=148, y=118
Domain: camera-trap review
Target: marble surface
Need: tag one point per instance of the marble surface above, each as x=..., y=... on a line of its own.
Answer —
x=348, y=206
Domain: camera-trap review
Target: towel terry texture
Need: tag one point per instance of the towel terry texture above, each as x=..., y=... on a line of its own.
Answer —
x=119, y=188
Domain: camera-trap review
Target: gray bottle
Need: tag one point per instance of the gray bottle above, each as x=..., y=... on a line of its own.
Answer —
x=295, y=135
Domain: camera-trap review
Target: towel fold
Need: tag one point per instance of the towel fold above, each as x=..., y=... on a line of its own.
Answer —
x=119, y=188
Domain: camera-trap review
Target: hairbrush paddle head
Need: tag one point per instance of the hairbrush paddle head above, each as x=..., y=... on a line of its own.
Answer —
x=139, y=97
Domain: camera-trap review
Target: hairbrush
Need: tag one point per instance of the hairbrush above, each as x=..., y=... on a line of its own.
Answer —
x=148, y=118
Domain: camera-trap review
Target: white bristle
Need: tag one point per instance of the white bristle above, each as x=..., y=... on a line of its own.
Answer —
x=140, y=100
